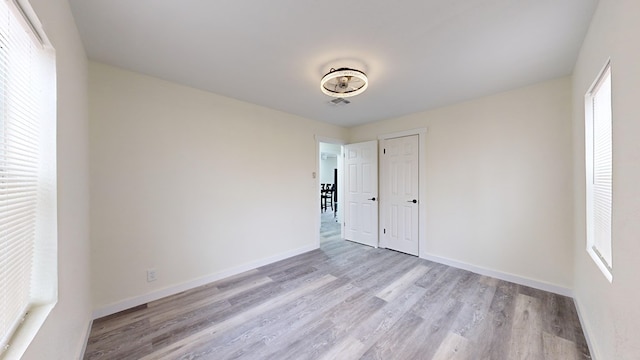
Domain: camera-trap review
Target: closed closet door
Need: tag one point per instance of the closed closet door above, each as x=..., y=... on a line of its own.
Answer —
x=399, y=180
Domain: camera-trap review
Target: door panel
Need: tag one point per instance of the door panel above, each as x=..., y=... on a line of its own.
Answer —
x=361, y=213
x=400, y=187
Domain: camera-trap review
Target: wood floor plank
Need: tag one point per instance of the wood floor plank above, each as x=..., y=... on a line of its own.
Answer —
x=374, y=327
x=433, y=332
x=489, y=281
x=497, y=327
x=303, y=326
x=346, y=301
x=392, y=345
x=353, y=312
x=526, y=329
x=312, y=341
x=437, y=295
x=562, y=320
x=178, y=346
x=283, y=265
x=114, y=345
x=347, y=349
x=118, y=321
x=181, y=326
x=399, y=286
x=295, y=321
x=556, y=347
x=454, y=347
x=159, y=316
x=364, y=268
x=231, y=281
x=472, y=320
x=275, y=328
x=436, y=271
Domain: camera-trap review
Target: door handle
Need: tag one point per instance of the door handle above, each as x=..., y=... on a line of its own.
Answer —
x=372, y=199
x=413, y=201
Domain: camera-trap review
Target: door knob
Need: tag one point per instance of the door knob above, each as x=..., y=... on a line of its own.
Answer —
x=413, y=201
x=372, y=199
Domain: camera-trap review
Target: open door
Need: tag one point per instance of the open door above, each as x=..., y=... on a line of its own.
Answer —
x=361, y=193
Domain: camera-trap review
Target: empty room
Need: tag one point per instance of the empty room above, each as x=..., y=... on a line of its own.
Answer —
x=429, y=179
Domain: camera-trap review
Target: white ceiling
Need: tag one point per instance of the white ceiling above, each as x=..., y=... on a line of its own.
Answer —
x=418, y=54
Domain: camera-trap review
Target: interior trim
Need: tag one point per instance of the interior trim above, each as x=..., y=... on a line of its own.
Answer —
x=585, y=330
x=86, y=340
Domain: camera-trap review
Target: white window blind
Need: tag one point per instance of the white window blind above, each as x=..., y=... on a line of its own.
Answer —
x=27, y=172
x=599, y=171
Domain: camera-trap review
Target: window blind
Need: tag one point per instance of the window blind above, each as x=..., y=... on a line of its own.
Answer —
x=27, y=168
x=599, y=171
x=602, y=167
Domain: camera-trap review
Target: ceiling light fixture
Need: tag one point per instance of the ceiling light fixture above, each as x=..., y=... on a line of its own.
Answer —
x=344, y=82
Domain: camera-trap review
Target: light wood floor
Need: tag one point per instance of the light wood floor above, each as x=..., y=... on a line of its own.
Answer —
x=347, y=301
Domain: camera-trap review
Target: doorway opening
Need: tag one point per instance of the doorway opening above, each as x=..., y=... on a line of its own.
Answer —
x=330, y=185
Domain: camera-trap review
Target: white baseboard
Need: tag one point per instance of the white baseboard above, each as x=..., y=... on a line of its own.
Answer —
x=174, y=289
x=86, y=341
x=501, y=275
x=585, y=330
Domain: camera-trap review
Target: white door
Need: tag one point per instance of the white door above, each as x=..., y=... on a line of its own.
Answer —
x=399, y=181
x=361, y=193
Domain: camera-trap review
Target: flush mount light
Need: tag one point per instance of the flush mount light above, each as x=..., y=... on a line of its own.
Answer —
x=344, y=82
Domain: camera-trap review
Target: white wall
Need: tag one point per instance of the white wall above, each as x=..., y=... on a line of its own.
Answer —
x=330, y=163
x=610, y=311
x=330, y=148
x=192, y=183
x=63, y=334
x=326, y=169
x=498, y=181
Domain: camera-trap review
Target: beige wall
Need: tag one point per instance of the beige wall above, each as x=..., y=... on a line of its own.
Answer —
x=498, y=181
x=611, y=311
x=192, y=183
x=63, y=334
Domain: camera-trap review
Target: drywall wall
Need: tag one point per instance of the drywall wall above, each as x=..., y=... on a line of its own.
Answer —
x=192, y=184
x=63, y=334
x=330, y=162
x=498, y=181
x=330, y=148
x=327, y=166
x=610, y=311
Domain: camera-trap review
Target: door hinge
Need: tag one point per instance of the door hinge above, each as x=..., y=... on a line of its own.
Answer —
x=384, y=231
x=384, y=151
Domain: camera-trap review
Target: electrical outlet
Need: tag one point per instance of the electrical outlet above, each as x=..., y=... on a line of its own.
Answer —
x=151, y=275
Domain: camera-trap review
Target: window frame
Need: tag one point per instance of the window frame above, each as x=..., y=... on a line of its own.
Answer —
x=605, y=266
x=44, y=274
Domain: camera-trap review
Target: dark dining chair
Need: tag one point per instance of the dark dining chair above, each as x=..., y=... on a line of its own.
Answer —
x=326, y=196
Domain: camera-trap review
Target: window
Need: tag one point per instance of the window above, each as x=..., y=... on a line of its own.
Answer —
x=599, y=159
x=28, y=233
